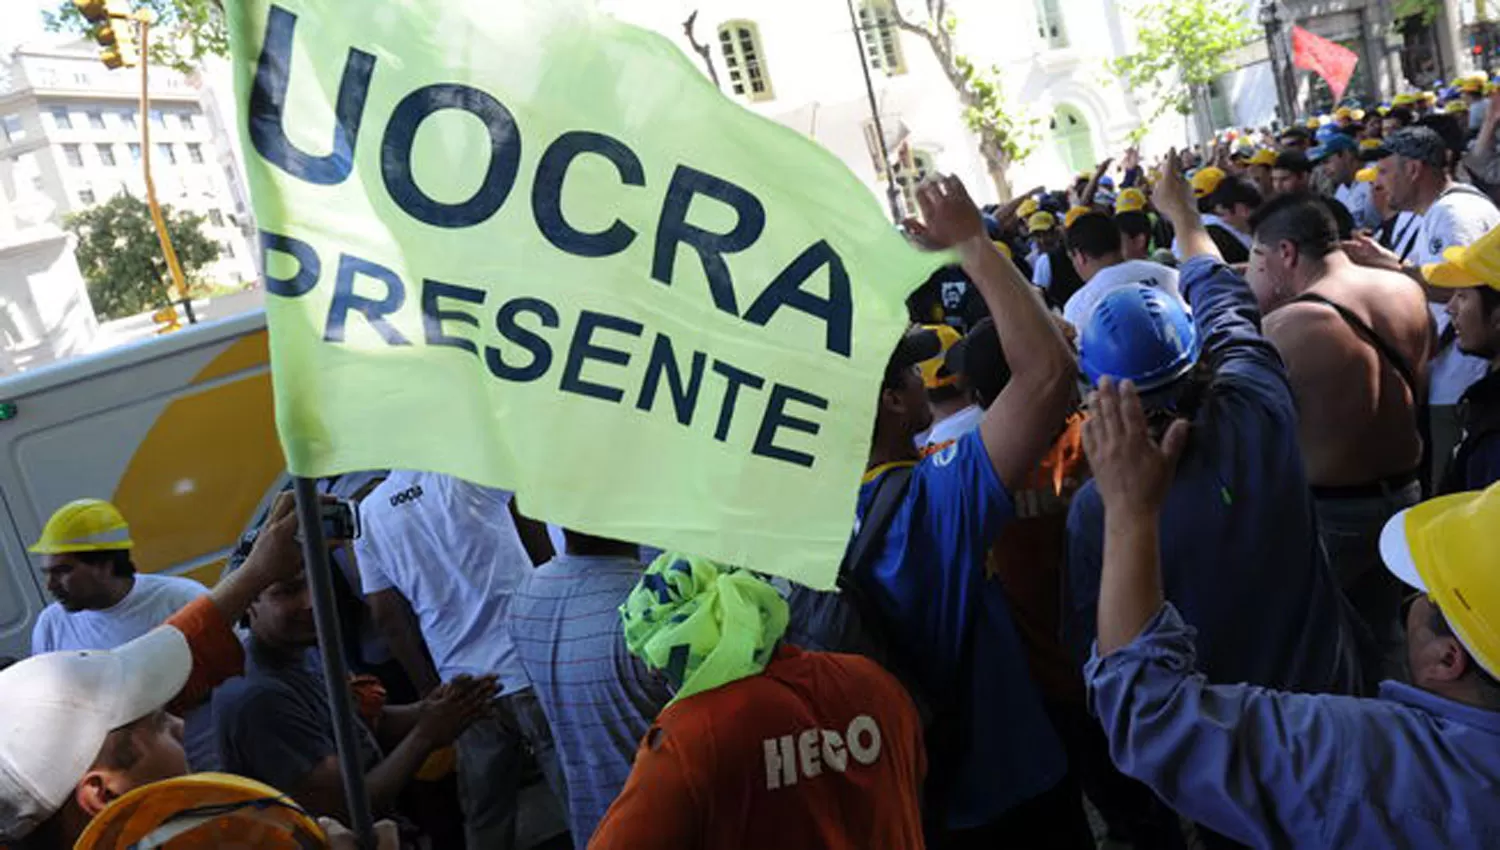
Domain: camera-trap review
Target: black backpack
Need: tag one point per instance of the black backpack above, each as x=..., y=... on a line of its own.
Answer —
x=847, y=620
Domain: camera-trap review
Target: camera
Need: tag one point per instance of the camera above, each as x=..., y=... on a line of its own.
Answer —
x=340, y=521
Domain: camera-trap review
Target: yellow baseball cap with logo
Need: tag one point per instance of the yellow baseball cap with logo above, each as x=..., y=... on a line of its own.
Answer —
x=1263, y=156
x=1130, y=200
x=1074, y=214
x=1039, y=222
x=1004, y=250
x=1472, y=85
x=1343, y=113
x=1368, y=174
x=1445, y=547
x=1206, y=180
x=1477, y=264
x=1453, y=106
x=934, y=373
x=1027, y=209
x=1404, y=99
x=87, y=525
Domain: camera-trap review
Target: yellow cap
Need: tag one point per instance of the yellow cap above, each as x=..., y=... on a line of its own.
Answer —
x=1041, y=221
x=1357, y=114
x=1445, y=547
x=1130, y=200
x=933, y=373
x=234, y=812
x=1477, y=264
x=1367, y=174
x=1206, y=180
x=1314, y=123
x=1264, y=156
x=1471, y=85
x=1406, y=99
x=1027, y=209
x=1004, y=250
x=1428, y=96
x=1383, y=111
x=87, y=525
x=1369, y=144
x=1343, y=113
x=1074, y=214
x=1455, y=106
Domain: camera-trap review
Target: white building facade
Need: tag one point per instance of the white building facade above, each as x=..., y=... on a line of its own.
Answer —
x=798, y=63
x=70, y=132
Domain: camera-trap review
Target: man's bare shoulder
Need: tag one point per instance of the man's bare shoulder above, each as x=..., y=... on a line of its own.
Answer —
x=1310, y=333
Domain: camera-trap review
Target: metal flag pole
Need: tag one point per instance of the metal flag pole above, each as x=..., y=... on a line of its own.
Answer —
x=331, y=645
x=892, y=194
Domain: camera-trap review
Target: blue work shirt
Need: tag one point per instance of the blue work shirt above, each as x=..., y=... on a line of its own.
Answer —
x=997, y=747
x=1272, y=769
x=1240, y=550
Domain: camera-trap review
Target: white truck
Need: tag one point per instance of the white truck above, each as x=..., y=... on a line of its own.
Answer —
x=178, y=431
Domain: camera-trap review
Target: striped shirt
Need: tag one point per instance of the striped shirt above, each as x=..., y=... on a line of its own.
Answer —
x=598, y=698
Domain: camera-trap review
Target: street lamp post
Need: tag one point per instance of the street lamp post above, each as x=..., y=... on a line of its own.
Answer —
x=1270, y=18
x=892, y=194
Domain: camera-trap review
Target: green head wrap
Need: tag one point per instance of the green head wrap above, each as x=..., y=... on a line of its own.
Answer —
x=701, y=624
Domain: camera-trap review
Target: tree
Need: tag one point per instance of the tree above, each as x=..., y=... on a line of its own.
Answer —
x=1183, y=44
x=1424, y=10
x=184, y=32
x=1006, y=135
x=121, y=258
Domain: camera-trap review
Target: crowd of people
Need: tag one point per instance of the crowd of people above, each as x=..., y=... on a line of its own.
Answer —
x=1179, y=525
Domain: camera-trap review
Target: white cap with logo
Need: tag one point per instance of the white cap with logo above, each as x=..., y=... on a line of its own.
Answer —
x=59, y=708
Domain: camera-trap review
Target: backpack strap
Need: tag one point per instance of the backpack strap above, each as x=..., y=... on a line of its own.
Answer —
x=890, y=492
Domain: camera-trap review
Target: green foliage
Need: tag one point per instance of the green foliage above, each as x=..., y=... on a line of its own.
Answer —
x=1426, y=10
x=121, y=259
x=1012, y=134
x=1182, y=44
x=184, y=32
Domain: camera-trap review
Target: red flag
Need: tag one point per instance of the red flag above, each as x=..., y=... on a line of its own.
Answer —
x=1328, y=59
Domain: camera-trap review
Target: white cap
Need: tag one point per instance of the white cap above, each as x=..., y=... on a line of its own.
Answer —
x=59, y=708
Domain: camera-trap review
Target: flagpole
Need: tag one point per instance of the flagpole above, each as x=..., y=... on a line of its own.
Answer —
x=892, y=194
x=331, y=646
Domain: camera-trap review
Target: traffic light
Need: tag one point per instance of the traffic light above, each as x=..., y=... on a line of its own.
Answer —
x=114, y=29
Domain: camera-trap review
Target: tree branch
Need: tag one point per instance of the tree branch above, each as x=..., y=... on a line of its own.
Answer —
x=702, y=50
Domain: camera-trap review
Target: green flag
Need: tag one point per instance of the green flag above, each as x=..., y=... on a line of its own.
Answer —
x=531, y=246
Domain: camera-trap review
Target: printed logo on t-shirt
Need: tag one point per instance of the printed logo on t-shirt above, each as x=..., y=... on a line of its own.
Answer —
x=945, y=455
x=1436, y=246
x=807, y=754
x=410, y=494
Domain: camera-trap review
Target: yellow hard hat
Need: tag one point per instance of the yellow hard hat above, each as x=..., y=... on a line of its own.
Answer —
x=1206, y=180
x=1476, y=264
x=1367, y=174
x=1130, y=200
x=1027, y=209
x=1075, y=214
x=87, y=525
x=204, y=810
x=1041, y=221
x=1264, y=156
x=1445, y=547
x=933, y=373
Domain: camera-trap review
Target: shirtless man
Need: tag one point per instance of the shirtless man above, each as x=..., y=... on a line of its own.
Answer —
x=1356, y=342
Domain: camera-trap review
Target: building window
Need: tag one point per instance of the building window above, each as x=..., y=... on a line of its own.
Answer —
x=106, y=155
x=86, y=197
x=1049, y=24
x=60, y=118
x=96, y=120
x=912, y=166
x=127, y=118
x=227, y=248
x=195, y=153
x=73, y=155
x=743, y=56
x=187, y=121
x=81, y=77
x=880, y=38
x=14, y=130
x=166, y=152
x=159, y=118
x=135, y=151
x=216, y=218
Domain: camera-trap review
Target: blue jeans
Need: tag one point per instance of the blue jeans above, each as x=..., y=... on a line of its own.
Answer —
x=490, y=757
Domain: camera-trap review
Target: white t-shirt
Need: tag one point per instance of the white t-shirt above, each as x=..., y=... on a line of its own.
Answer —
x=1359, y=199
x=1041, y=271
x=1459, y=217
x=451, y=548
x=1080, y=308
x=951, y=428
x=151, y=600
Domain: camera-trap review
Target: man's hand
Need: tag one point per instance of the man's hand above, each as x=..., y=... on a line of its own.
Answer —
x=1132, y=472
x=277, y=554
x=949, y=215
x=1103, y=168
x=449, y=710
x=1173, y=196
x=1365, y=251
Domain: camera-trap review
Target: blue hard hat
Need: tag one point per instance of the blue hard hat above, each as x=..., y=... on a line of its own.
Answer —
x=1141, y=334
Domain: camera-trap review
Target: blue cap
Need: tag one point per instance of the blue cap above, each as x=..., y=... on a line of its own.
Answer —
x=1338, y=143
x=1107, y=182
x=1140, y=334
